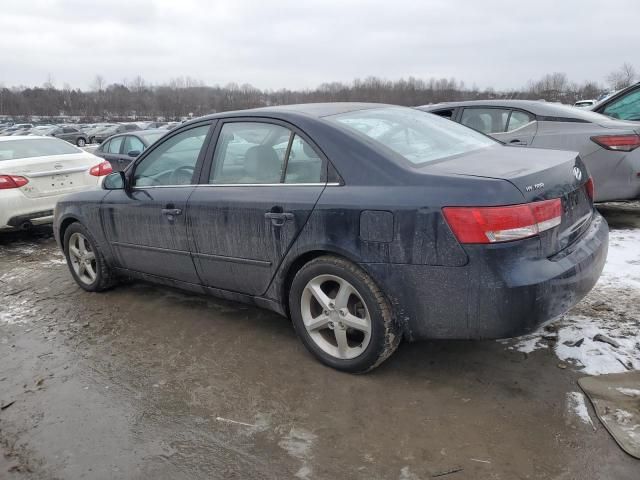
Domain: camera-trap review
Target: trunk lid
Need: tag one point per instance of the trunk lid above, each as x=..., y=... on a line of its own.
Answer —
x=539, y=175
x=53, y=175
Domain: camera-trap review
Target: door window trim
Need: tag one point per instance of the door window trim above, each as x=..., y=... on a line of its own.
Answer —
x=202, y=156
x=206, y=171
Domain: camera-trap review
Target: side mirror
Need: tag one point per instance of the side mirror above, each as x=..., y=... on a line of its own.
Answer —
x=115, y=181
x=134, y=153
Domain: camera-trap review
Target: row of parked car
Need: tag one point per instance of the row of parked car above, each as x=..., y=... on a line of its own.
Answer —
x=82, y=134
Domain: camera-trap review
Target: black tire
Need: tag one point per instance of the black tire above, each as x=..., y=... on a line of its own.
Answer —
x=385, y=335
x=81, y=142
x=105, y=278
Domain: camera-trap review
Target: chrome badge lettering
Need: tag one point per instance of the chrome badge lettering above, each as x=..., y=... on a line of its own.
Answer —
x=537, y=186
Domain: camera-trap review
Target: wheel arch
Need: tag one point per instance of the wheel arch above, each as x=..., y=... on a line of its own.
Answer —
x=293, y=266
x=64, y=225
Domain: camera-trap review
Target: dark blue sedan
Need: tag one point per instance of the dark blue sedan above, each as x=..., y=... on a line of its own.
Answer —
x=364, y=223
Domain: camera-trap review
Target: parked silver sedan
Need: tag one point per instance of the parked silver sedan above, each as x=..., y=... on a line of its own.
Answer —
x=608, y=146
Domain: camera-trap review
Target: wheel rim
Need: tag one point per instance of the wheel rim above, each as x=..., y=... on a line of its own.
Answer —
x=336, y=317
x=83, y=258
x=81, y=143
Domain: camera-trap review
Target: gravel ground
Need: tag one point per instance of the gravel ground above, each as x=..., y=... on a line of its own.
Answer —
x=148, y=382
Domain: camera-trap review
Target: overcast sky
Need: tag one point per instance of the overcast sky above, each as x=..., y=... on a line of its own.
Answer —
x=302, y=43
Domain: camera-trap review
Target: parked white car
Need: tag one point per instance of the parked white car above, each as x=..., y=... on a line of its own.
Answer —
x=36, y=172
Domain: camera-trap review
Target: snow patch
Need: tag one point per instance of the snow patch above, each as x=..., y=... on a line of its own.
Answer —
x=298, y=443
x=623, y=261
x=593, y=358
x=629, y=392
x=577, y=405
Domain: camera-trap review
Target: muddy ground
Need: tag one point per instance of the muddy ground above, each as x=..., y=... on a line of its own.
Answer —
x=148, y=382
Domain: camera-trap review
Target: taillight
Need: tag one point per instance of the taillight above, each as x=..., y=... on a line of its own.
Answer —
x=503, y=224
x=12, y=181
x=591, y=189
x=620, y=143
x=101, y=169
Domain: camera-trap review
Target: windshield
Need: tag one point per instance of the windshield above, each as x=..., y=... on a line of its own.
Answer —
x=418, y=136
x=37, y=147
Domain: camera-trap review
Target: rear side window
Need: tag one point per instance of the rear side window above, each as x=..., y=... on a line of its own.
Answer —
x=417, y=136
x=263, y=153
x=518, y=119
x=626, y=107
x=485, y=120
x=304, y=165
x=448, y=113
x=37, y=147
x=132, y=144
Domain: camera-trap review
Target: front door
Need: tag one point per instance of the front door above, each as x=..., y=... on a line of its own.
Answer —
x=263, y=185
x=147, y=226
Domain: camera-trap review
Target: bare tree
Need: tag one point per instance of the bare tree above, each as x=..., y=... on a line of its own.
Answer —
x=98, y=84
x=623, y=77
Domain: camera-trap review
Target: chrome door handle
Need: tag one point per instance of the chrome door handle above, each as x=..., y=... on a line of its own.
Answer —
x=171, y=211
x=278, y=219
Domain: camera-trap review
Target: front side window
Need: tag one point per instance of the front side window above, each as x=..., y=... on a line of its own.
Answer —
x=485, y=120
x=518, y=119
x=114, y=145
x=250, y=152
x=173, y=161
x=417, y=136
x=626, y=107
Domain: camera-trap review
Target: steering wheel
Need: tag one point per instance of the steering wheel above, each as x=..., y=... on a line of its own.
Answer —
x=182, y=175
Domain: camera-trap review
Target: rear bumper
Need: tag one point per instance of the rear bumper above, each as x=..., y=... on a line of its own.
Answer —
x=505, y=290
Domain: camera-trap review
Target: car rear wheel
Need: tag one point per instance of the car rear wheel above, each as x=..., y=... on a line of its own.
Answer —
x=81, y=142
x=86, y=263
x=341, y=315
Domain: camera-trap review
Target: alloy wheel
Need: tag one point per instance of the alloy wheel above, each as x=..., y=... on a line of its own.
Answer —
x=83, y=258
x=335, y=316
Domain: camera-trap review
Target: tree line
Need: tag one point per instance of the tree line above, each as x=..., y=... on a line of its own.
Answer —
x=184, y=97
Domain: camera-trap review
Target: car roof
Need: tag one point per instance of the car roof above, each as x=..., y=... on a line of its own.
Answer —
x=316, y=110
x=29, y=137
x=544, y=109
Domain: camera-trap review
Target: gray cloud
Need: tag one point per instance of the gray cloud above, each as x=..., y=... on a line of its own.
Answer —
x=293, y=43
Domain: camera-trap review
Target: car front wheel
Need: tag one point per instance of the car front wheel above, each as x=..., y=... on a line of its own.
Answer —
x=341, y=315
x=86, y=263
x=81, y=142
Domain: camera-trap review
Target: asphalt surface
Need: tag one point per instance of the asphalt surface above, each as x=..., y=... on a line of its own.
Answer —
x=147, y=382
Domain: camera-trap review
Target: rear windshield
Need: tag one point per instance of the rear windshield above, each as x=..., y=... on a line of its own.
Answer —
x=152, y=137
x=417, y=136
x=36, y=147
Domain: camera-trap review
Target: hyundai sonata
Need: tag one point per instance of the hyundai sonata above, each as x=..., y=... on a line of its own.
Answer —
x=364, y=223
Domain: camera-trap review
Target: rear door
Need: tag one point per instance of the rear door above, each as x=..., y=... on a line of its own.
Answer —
x=520, y=130
x=111, y=152
x=147, y=226
x=265, y=180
